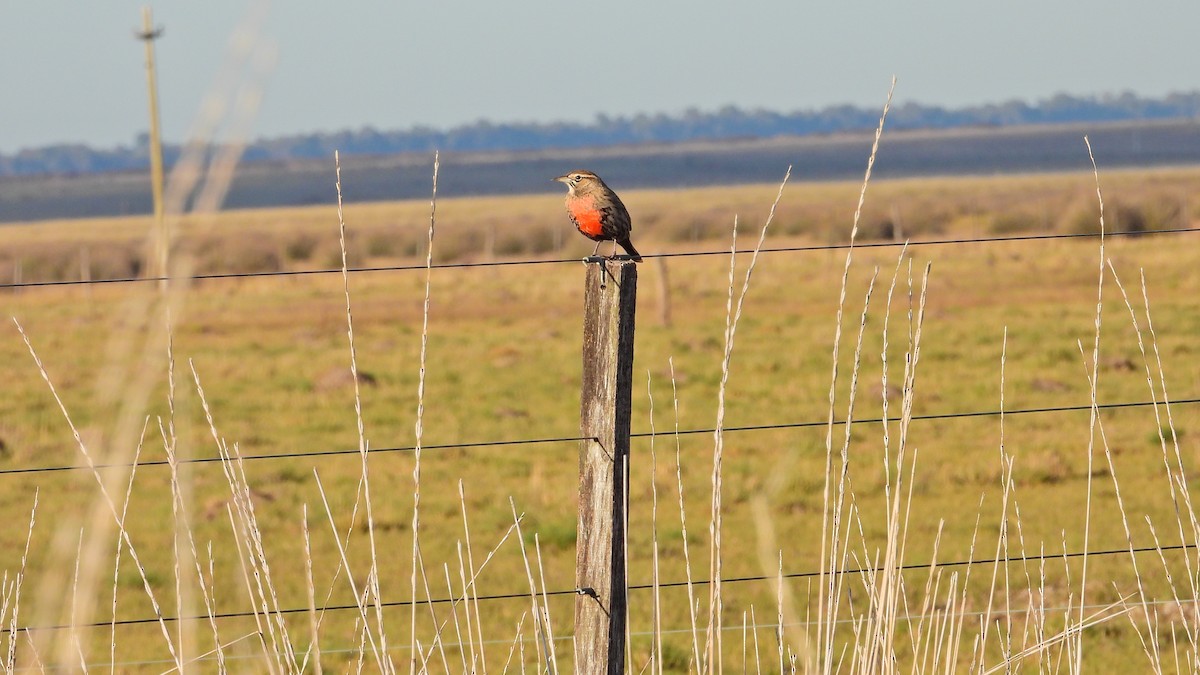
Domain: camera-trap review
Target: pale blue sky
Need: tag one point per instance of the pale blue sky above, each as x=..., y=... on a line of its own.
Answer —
x=71, y=71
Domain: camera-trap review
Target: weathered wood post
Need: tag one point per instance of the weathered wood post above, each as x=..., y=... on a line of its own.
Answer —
x=610, y=299
x=664, y=293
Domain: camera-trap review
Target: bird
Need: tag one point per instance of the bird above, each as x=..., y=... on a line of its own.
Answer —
x=597, y=211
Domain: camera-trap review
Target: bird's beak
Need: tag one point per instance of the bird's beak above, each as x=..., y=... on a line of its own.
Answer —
x=563, y=178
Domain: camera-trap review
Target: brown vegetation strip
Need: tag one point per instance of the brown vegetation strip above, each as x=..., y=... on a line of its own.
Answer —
x=555, y=261
x=643, y=434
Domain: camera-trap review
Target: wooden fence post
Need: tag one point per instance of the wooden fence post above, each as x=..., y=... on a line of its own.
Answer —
x=610, y=299
x=664, y=293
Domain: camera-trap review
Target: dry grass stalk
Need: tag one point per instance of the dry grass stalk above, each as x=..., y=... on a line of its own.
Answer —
x=103, y=492
x=181, y=521
x=1093, y=418
x=472, y=591
x=212, y=652
x=712, y=632
x=1150, y=648
x=363, y=628
x=825, y=616
x=248, y=534
x=314, y=650
x=470, y=584
x=358, y=496
x=362, y=437
x=888, y=488
x=732, y=317
x=920, y=640
x=112, y=634
x=437, y=641
x=939, y=621
x=454, y=615
x=1031, y=606
x=1006, y=469
x=368, y=636
x=419, y=427
x=656, y=650
x=341, y=567
x=521, y=648
x=262, y=621
x=462, y=576
x=1179, y=484
x=845, y=493
x=10, y=606
x=935, y=646
x=911, y=359
x=886, y=588
x=954, y=636
x=538, y=624
x=687, y=560
x=1102, y=615
x=181, y=482
x=548, y=631
x=1175, y=478
x=754, y=632
x=516, y=640
x=779, y=616
x=1040, y=632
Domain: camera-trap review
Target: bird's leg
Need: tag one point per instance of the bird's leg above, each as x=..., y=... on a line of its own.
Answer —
x=597, y=248
x=614, y=253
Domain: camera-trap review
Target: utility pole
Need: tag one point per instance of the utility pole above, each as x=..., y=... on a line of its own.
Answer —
x=610, y=299
x=148, y=34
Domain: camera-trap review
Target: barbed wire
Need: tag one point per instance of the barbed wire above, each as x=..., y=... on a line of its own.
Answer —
x=1008, y=560
x=575, y=439
x=560, y=261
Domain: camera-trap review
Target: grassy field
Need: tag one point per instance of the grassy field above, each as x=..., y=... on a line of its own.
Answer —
x=503, y=364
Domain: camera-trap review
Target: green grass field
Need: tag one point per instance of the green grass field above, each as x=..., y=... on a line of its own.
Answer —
x=503, y=364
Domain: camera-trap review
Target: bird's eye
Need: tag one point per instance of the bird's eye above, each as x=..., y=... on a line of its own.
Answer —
x=577, y=177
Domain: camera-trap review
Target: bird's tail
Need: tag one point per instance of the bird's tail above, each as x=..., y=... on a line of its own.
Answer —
x=628, y=246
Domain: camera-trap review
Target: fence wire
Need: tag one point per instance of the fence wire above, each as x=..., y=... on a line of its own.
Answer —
x=749, y=629
x=1007, y=560
x=15, y=471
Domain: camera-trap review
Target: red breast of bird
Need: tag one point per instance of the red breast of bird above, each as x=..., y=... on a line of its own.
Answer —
x=586, y=216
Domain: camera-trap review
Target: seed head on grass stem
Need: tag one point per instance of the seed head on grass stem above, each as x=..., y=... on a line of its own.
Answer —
x=825, y=617
x=419, y=426
x=1093, y=418
x=364, y=479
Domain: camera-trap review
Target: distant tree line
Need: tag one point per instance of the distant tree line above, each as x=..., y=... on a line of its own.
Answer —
x=726, y=123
